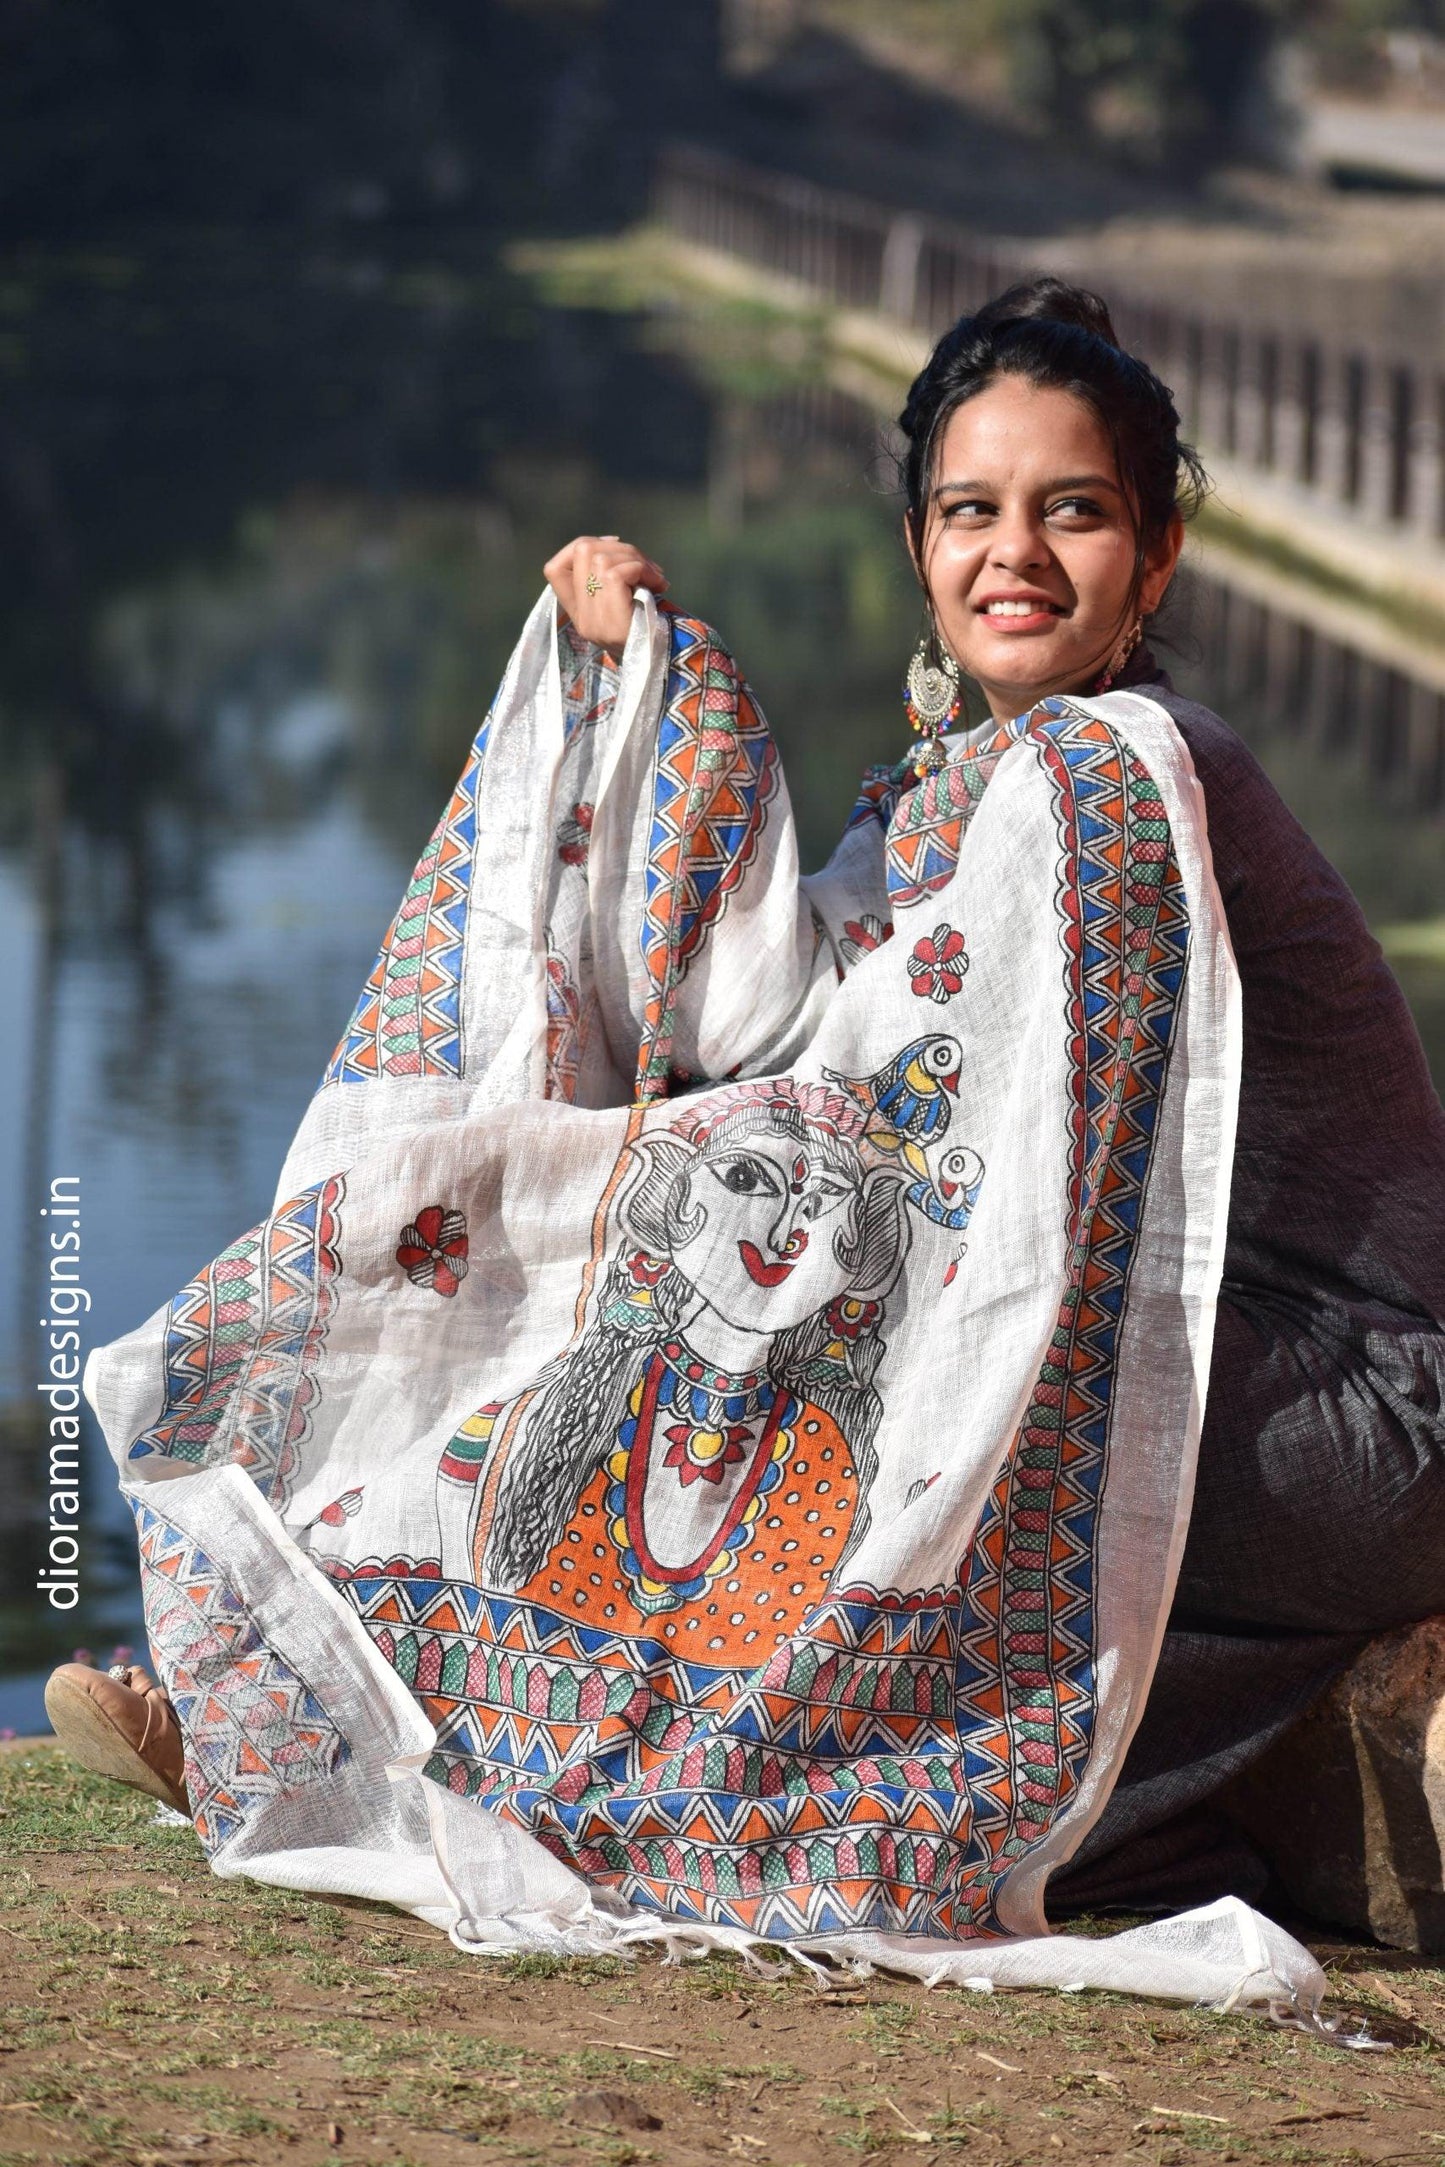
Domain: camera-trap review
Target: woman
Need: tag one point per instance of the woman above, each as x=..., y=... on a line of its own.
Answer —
x=1046, y=493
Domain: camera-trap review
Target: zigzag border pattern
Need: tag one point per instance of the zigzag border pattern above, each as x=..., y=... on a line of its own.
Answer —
x=252, y=1727
x=1025, y=1677
x=408, y=1017
x=878, y=794
x=242, y=1345
x=714, y=773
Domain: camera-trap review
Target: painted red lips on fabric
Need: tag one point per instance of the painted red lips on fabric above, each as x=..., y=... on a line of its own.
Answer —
x=771, y=1275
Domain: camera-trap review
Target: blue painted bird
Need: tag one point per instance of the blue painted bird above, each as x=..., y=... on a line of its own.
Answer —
x=949, y=1200
x=907, y=1100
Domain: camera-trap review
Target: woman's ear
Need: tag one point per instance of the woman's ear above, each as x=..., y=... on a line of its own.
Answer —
x=872, y=1245
x=911, y=545
x=659, y=1163
x=1161, y=566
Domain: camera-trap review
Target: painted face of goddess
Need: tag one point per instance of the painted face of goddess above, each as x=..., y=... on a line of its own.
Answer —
x=763, y=1211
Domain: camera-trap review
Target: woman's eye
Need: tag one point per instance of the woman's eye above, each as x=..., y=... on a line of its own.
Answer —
x=743, y=1176
x=1078, y=507
x=967, y=508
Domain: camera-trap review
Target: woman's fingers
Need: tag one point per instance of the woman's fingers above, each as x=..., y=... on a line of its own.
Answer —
x=558, y=573
x=594, y=578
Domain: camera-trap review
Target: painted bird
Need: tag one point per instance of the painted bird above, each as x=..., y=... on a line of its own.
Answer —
x=949, y=1200
x=907, y=1100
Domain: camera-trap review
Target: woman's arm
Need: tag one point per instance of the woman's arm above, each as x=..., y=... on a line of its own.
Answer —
x=594, y=578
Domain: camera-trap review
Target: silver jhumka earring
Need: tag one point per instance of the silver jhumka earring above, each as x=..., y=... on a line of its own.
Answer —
x=933, y=698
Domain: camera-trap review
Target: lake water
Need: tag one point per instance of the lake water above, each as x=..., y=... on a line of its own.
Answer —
x=273, y=525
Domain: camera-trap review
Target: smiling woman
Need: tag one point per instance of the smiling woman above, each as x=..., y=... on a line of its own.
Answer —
x=728, y=1442
x=1047, y=490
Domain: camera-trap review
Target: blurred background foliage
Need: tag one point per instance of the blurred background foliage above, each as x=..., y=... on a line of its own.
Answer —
x=543, y=112
x=1176, y=86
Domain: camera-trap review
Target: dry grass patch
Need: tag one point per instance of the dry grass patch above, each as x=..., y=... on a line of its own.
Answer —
x=157, y=2016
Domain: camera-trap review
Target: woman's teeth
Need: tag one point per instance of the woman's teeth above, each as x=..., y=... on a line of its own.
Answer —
x=1016, y=609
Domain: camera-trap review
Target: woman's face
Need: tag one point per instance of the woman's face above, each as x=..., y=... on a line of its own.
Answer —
x=772, y=1208
x=1028, y=545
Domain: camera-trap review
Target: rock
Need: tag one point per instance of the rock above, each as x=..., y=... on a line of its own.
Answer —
x=1349, y=1805
x=614, y=2110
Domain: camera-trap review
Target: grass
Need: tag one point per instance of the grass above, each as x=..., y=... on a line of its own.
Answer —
x=151, y=2014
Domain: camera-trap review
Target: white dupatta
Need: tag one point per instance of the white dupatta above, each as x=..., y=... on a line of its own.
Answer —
x=702, y=1446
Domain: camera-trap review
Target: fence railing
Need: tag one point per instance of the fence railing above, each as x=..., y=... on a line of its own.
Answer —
x=1360, y=427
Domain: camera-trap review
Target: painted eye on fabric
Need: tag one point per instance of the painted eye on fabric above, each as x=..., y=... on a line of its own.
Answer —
x=826, y=1197
x=745, y=1177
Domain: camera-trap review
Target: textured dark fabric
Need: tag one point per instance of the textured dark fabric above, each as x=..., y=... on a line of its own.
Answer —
x=1319, y=1510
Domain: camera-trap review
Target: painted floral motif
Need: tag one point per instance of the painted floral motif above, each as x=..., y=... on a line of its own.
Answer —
x=938, y=963
x=849, y=1317
x=433, y=1250
x=341, y=1509
x=713, y=1434
x=574, y=834
x=862, y=935
x=701, y=1453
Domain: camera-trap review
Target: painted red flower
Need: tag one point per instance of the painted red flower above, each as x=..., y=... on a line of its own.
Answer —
x=645, y=1270
x=433, y=1250
x=574, y=834
x=700, y=1455
x=862, y=935
x=938, y=963
x=850, y=1318
x=341, y=1509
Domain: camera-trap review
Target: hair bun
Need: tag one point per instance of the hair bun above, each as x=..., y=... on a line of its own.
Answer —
x=1052, y=300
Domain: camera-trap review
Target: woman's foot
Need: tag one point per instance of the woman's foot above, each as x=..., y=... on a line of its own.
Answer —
x=120, y=1724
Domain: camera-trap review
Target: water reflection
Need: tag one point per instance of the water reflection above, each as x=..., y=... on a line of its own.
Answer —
x=233, y=702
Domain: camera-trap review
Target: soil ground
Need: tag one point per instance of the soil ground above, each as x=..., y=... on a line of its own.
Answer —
x=155, y=2015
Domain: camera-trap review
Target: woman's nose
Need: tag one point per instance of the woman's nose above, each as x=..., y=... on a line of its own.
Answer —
x=1019, y=544
x=787, y=1234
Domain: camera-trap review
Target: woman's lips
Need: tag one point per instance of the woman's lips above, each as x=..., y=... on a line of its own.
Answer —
x=758, y=1267
x=1036, y=620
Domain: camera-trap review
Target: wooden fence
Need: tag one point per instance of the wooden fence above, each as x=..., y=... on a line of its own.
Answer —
x=1362, y=429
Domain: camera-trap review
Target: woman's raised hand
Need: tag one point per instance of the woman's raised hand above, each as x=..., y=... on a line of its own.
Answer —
x=593, y=579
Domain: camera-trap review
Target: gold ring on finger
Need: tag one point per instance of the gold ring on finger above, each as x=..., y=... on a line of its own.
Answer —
x=594, y=584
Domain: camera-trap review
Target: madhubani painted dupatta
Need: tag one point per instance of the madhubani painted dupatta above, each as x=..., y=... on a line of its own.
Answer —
x=702, y=1445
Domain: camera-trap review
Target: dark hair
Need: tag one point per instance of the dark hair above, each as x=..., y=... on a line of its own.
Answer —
x=1059, y=337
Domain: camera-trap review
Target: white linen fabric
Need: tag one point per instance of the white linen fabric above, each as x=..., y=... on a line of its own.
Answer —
x=700, y=1449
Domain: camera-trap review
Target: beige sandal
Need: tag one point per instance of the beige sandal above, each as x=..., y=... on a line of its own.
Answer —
x=120, y=1724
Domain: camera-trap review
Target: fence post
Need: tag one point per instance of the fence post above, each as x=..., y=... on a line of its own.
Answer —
x=1425, y=743
x=1218, y=387
x=1426, y=457
x=1376, y=463
x=1248, y=402
x=1291, y=412
x=898, y=274
x=1333, y=450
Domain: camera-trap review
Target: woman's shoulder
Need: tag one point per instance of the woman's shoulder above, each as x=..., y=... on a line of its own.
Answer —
x=1261, y=851
x=1219, y=753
